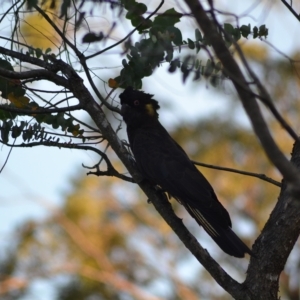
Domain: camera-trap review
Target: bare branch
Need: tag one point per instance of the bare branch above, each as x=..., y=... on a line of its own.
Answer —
x=111, y=171
x=290, y=8
x=35, y=75
x=7, y=157
x=40, y=110
x=260, y=176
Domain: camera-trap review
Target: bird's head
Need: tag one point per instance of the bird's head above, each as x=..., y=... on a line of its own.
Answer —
x=138, y=106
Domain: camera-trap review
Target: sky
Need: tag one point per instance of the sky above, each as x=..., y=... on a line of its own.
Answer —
x=35, y=179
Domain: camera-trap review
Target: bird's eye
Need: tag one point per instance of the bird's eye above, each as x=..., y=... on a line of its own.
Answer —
x=136, y=102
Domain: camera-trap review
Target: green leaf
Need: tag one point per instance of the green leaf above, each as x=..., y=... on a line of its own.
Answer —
x=197, y=75
x=124, y=63
x=228, y=28
x=140, y=8
x=5, y=129
x=31, y=3
x=263, y=31
x=137, y=9
x=175, y=35
x=31, y=51
x=255, y=32
x=214, y=81
x=38, y=52
x=245, y=30
x=4, y=64
x=191, y=44
x=16, y=131
x=169, y=18
x=169, y=55
x=198, y=35
x=146, y=24
x=236, y=34
x=128, y=3
x=64, y=8
x=174, y=64
x=137, y=20
x=184, y=68
x=134, y=52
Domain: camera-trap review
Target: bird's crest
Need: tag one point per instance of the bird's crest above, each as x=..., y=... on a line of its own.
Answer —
x=139, y=99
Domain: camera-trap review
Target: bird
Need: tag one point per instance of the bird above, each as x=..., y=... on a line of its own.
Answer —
x=163, y=162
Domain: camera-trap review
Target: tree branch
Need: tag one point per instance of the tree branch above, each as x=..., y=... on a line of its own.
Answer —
x=290, y=8
x=246, y=96
x=29, y=59
x=40, y=110
x=282, y=229
x=111, y=171
x=35, y=75
x=275, y=243
x=161, y=204
x=264, y=95
x=260, y=176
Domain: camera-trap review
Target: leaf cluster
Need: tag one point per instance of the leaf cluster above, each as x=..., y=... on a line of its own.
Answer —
x=161, y=38
x=144, y=56
x=208, y=68
x=12, y=90
x=29, y=131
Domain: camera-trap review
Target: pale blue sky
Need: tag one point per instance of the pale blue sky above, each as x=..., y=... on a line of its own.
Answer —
x=35, y=178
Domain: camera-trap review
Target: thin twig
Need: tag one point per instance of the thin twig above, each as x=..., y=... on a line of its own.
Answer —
x=111, y=171
x=128, y=35
x=260, y=176
x=7, y=157
x=297, y=16
x=38, y=74
x=61, y=34
x=40, y=110
x=29, y=59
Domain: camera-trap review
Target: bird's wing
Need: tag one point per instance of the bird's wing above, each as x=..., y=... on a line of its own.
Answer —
x=165, y=163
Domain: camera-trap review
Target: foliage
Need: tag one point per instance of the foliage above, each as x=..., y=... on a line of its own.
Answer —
x=142, y=59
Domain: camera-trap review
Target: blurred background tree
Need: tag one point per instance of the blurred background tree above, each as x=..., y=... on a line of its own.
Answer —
x=106, y=241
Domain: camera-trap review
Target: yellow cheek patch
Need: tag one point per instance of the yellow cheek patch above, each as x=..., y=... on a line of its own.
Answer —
x=150, y=110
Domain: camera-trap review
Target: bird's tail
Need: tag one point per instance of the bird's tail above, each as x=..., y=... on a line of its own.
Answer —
x=224, y=236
